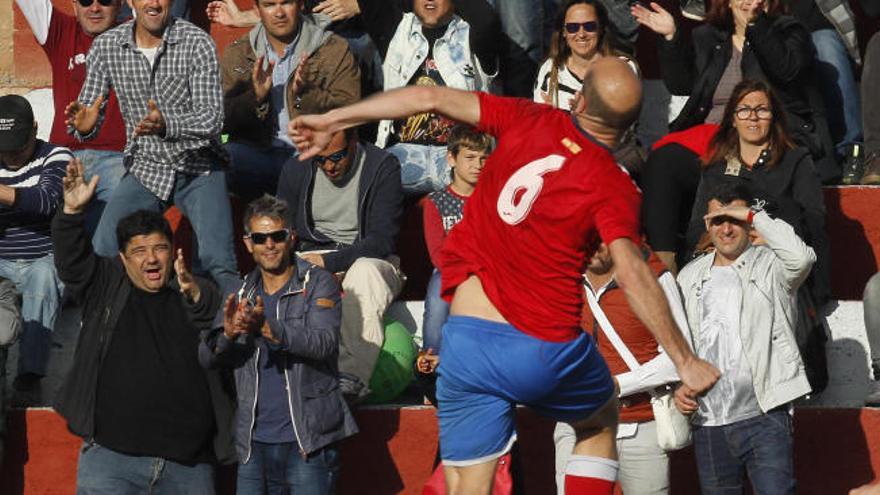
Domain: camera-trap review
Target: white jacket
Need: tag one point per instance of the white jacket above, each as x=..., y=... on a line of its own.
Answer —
x=770, y=276
x=408, y=50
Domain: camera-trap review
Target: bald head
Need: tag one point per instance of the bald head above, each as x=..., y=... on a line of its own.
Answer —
x=612, y=93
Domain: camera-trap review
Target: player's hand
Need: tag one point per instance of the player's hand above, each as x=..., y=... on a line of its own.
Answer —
x=656, y=19
x=262, y=78
x=685, y=400
x=188, y=285
x=427, y=362
x=698, y=375
x=77, y=192
x=338, y=10
x=310, y=134
x=83, y=117
x=153, y=124
x=871, y=489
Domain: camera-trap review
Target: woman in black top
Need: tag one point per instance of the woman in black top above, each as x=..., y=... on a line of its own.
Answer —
x=753, y=146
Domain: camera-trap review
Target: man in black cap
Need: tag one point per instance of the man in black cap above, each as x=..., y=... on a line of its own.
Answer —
x=30, y=191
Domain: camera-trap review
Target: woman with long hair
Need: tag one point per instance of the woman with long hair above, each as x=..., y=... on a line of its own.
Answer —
x=580, y=36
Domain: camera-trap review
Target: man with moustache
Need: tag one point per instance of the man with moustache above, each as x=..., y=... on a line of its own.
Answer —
x=152, y=420
x=166, y=75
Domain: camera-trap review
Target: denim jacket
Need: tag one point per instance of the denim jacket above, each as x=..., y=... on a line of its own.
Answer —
x=307, y=322
x=770, y=276
x=408, y=49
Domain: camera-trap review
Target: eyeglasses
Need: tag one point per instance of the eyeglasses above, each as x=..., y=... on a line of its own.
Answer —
x=88, y=3
x=763, y=113
x=334, y=157
x=574, y=27
x=261, y=237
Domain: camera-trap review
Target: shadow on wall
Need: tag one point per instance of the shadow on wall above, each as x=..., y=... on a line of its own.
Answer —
x=853, y=260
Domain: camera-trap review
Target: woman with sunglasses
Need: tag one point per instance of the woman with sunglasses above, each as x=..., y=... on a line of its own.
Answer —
x=580, y=38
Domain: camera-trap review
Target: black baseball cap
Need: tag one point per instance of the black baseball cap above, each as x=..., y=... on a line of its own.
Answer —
x=16, y=122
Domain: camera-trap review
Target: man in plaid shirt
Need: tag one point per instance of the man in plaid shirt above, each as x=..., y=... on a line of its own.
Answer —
x=166, y=76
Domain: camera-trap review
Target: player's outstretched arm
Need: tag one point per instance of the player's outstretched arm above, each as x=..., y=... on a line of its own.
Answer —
x=647, y=300
x=311, y=133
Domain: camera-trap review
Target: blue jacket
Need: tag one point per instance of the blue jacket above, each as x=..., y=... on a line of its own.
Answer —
x=307, y=326
x=380, y=206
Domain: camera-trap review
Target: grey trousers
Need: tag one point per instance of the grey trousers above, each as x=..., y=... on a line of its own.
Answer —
x=871, y=305
x=644, y=466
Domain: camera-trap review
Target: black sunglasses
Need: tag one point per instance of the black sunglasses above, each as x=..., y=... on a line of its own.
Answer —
x=261, y=237
x=716, y=221
x=589, y=26
x=334, y=157
x=88, y=3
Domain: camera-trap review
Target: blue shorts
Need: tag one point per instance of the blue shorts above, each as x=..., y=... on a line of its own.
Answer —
x=487, y=368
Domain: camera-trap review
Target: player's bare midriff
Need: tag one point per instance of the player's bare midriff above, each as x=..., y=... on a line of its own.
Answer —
x=471, y=300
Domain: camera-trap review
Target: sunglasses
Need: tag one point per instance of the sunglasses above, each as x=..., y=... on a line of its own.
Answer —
x=277, y=236
x=716, y=221
x=335, y=157
x=574, y=27
x=88, y=3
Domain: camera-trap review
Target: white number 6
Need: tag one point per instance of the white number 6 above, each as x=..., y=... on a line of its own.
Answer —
x=530, y=178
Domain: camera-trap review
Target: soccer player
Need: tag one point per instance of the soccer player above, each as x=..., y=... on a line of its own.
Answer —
x=513, y=266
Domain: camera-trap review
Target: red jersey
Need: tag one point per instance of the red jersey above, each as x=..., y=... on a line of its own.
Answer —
x=532, y=222
x=66, y=46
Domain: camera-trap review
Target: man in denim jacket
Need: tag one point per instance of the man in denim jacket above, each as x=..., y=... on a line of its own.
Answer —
x=740, y=307
x=281, y=334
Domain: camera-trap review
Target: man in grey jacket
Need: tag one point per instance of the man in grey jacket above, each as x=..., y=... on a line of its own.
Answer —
x=281, y=334
x=739, y=303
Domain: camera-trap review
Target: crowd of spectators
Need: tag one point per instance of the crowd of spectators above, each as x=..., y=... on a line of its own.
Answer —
x=765, y=103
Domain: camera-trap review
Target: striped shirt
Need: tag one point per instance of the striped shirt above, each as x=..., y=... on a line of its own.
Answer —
x=24, y=226
x=185, y=83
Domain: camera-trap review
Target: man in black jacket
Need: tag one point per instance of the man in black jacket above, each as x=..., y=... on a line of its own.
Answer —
x=347, y=218
x=150, y=417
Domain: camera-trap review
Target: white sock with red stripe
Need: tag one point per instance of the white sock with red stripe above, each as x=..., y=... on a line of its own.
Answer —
x=590, y=475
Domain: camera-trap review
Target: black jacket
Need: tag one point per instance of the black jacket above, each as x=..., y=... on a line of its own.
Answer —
x=102, y=286
x=777, y=50
x=792, y=192
x=380, y=206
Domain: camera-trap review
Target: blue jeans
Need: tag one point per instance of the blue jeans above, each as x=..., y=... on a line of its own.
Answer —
x=102, y=471
x=761, y=446
x=254, y=171
x=202, y=199
x=278, y=469
x=107, y=165
x=40, y=289
x=436, y=312
x=837, y=83
x=423, y=168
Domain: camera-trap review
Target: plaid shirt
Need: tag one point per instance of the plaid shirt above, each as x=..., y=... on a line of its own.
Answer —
x=185, y=83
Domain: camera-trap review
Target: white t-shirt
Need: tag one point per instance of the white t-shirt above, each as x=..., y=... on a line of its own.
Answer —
x=567, y=84
x=718, y=341
x=150, y=53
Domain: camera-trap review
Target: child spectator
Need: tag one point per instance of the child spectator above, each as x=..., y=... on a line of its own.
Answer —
x=466, y=153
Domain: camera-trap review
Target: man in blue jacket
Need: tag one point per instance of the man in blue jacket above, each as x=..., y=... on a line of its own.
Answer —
x=281, y=334
x=347, y=218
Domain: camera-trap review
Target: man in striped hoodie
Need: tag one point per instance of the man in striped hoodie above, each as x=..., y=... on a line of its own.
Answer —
x=30, y=191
